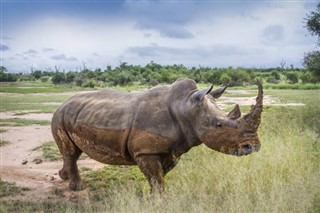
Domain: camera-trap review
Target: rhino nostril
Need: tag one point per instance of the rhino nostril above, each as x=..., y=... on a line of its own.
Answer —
x=247, y=148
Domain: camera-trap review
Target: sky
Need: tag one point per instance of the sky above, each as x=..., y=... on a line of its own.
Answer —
x=71, y=34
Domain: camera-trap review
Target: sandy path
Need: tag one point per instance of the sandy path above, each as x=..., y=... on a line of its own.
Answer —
x=40, y=178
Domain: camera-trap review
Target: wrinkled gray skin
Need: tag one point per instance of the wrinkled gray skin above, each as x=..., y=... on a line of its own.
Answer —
x=151, y=129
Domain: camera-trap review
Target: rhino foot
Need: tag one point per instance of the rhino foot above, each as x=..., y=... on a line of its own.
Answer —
x=63, y=174
x=76, y=186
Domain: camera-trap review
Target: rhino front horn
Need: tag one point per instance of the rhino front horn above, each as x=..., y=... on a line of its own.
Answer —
x=251, y=121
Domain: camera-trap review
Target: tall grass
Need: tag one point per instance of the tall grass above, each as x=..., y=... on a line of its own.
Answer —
x=283, y=176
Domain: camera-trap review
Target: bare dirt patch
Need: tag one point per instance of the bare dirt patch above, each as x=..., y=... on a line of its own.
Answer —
x=40, y=178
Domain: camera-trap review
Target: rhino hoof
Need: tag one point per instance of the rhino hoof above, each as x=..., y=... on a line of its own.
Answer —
x=63, y=175
x=76, y=186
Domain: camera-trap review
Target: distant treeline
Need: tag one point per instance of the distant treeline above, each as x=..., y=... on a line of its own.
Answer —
x=154, y=74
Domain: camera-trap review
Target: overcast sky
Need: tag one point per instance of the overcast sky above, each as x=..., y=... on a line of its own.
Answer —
x=67, y=33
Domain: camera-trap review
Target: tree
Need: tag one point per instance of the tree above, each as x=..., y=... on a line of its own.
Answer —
x=312, y=59
x=37, y=74
x=58, y=78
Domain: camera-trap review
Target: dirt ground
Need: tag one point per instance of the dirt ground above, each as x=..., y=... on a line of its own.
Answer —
x=16, y=157
x=17, y=161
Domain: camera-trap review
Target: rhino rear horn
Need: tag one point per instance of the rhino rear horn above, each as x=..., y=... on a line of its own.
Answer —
x=198, y=96
x=218, y=92
x=235, y=113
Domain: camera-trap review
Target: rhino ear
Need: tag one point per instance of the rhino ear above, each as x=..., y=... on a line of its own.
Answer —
x=198, y=96
x=218, y=92
x=235, y=113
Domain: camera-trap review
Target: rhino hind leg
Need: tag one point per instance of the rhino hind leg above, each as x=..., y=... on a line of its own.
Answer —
x=71, y=154
x=151, y=167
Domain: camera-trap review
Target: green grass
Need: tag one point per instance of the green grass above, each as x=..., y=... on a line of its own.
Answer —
x=2, y=130
x=2, y=142
x=40, y=89
x=23, y=122
x=48, y=205
x=50, y=151
x=10, y=189
x=292, y=86
x=32, y=102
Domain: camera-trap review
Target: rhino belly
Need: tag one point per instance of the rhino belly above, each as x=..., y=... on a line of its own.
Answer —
x=104, y=145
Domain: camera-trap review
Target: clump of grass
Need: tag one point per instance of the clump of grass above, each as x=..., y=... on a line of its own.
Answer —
x=57, y=192
x=105, y=180
x=2, y=130
x=86, y=169
x=2, y=142
x=9, y=189
x=50, y=151
x=23, y=122
x=48, y=205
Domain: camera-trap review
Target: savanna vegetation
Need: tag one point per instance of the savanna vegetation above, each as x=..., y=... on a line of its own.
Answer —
x=153, y=74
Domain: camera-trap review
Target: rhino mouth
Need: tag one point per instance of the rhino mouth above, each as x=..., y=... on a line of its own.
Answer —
x=245, y=150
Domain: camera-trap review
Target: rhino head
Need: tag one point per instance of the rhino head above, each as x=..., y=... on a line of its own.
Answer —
x=226, y=133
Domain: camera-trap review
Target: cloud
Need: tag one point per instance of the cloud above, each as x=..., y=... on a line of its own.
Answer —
x=165, y=29
x=47, y=49
x=4, y=47
x=63, y=57
x=211, y=55
x=210, y=33
x=30, y=52
x=273, y=33
x=166, y=17
x=4, y=37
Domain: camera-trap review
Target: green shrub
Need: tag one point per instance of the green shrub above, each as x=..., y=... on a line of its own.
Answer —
x=225, y=79
x=44, y=78
x=89, y=83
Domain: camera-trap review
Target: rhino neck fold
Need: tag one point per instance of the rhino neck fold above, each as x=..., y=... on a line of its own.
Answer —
x=186, y=137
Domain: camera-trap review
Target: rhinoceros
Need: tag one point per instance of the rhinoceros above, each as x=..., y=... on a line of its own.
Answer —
x=151, y=129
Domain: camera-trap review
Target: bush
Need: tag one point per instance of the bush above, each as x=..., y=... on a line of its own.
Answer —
x=292, y=77
x=37, y=74
x=225, y=79
x=307, y=77
x=80, y=79
x=26, y=78
x=8, y=77
x=89, y=83
x=58, y=78
x=273, y=80
x=153, y=82
x=44, y=78
x=123, y=78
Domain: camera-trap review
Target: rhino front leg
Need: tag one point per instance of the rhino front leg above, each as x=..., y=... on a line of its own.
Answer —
x=151, y=167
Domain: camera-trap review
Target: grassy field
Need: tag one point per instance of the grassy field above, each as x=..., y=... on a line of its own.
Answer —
x=282, y=177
